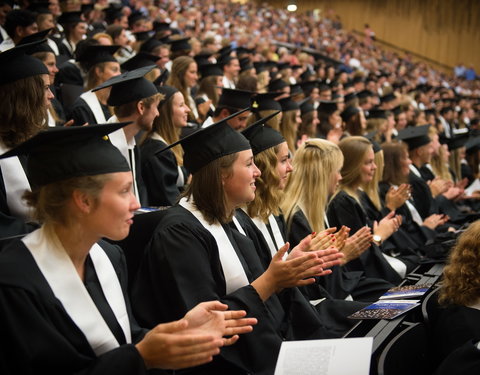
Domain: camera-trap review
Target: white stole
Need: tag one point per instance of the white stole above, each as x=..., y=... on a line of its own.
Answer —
x=53, y=46
x=276, y=240
x=61, y=275
x=51, y=121
x=181, y=177
x=235, y=277
x=415, y=171
x=16, y=184
x=119, y=140
x=92, y=101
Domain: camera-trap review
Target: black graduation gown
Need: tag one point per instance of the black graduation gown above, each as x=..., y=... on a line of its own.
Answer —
x=181, y=268
x=38, y=336
x=11, y=225
x=345, y=210
x=341, y=282
x=462, y=361
x=159, y=172
x=81, y=113
x=418, y=233
x=454, y=325
x=69, y=73
x=399, y=243
x=332, y=311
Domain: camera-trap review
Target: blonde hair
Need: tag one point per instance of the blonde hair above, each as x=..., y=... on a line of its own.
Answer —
x=440, y=166
x=307, y=188
x=50, y=201
x=288, y=124
x=128, y=109
x=461, y=284
x=268, y=194
x=353, y=149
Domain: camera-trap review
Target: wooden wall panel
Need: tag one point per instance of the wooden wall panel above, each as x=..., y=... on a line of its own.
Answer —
x=446, y=31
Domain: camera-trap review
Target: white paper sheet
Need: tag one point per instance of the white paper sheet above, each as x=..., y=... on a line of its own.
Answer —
x=325, y=357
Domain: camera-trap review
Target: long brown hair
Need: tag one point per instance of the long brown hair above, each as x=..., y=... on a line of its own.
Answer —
x=268, y=195
x=393, y=152
x=22, y=111
x=206, y=189
x=353, y=149
x=288, y=125
x=461, y=284
x=207, y=86
x=177, y=79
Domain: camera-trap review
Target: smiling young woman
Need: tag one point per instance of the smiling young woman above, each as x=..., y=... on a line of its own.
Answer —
x=195, y=255
x=72, y=284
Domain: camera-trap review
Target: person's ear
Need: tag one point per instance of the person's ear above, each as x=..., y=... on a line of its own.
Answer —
x=82, y=201
x=140, y=107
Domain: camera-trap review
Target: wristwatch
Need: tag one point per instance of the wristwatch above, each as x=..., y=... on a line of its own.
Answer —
x=377, y=239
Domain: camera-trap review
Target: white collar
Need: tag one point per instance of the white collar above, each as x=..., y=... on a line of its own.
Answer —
x=62, y=277
x=95, y=106
x=415, y=171
x=235, y=277
x=274, y=242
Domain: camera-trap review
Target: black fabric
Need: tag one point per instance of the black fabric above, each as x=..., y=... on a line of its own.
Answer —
x=181, y=268
x=81, y=113
x=60, y=153
x=37, y=333
x=68, y=73
x=262, y=137
x=345, y=210
x=463, y=361
x=159, y=172
x=341, y=282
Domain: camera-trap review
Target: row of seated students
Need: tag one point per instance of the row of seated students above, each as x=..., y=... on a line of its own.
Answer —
x=226, y=239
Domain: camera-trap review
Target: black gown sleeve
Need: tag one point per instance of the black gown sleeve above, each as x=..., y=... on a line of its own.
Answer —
x=160, y=173
x=81, y=113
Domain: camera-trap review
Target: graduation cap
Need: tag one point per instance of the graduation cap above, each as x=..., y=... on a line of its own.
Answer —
x=150, y=44
x=397, y=110
x=203, y=58
x=167, y=92
x=234, y=98
x=458, y=140
x=375, y=145
x=87, y=7
x=143, y=36
x=327, y=106
x=415, y=136
x=283, y=65
x=207, y=70
x=135, y=16
x=277, y=85
x=225, y=59
x=262, y=66
x=162, y=78
x=296, y=89
x=305, y=76
x=96, y=54
x=348, y=112
x=472, y=144
x=208, y=144
x=70, y=17
x=225, y=51
x=377, y=113
x=243, y=51
x=140, y=60
x=60, y=153
x=364, y=94
x=161, y=26
x=348, y=84
x=265, y=101
x=306, y=106
x=180, y=44
x=113, y=12
x=245, y=64
x=129, y=87
x=358, y=79
x=37, y=37
x=16, y=64
x=350, y=96
x=388, y=98
x=288, y=104
x=308, y=86
x=263, y=137
x=39, y=7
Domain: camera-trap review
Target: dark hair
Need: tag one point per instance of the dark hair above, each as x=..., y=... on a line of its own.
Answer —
x=21, y=119
x=392, y=154
x=18, y=17
x=206, y=188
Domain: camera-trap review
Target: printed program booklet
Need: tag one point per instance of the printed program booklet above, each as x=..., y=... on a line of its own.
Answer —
x=385, y=309
x=407, y=291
